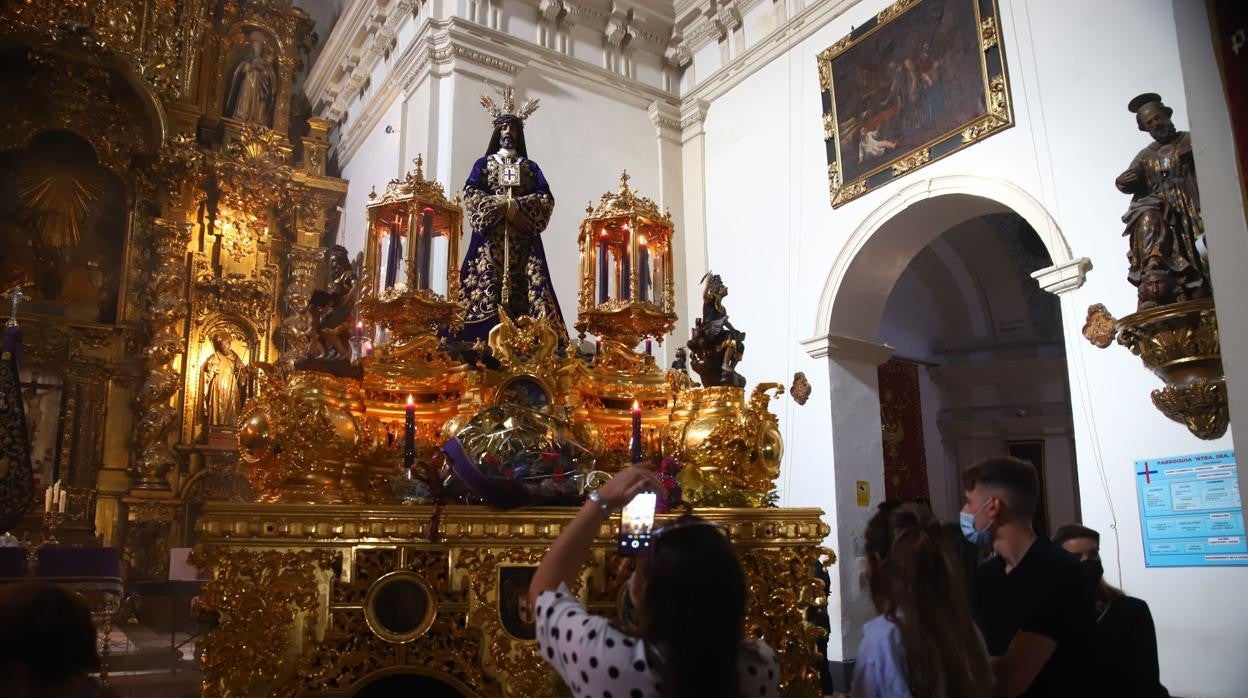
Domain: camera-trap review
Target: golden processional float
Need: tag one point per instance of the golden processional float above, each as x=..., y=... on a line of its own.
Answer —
x=375, y=563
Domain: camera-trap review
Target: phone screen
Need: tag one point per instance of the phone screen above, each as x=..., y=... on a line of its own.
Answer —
x=636, y=523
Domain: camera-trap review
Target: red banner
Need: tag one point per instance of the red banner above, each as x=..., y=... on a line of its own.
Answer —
x=901, y=420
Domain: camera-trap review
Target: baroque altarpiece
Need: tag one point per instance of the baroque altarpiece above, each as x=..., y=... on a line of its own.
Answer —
x=164, y=197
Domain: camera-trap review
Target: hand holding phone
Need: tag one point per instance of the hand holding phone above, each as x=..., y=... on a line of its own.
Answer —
x=637, y=523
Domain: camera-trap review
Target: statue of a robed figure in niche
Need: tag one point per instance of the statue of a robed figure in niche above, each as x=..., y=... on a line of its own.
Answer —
x=224, y=382
x=1164, y=224
x=253, y=84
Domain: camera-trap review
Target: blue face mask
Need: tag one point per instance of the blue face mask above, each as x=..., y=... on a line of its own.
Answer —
x=974, y=535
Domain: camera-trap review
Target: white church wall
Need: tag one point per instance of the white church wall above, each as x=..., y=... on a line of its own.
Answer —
x=375, y=163
x=773, y=236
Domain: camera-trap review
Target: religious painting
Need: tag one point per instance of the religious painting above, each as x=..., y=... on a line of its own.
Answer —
x=63, y=220
x=919, y=81
x=514, y=611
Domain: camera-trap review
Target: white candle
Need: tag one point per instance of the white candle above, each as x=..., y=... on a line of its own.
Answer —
x=56, y=492
x=64, y=501
x=47, y=500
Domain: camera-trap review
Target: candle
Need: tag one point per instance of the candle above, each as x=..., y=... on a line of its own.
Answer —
x=635, y=444
x=647, y=347
x=598, y=346
x=426, y=242
x=47, y=500
x=64, y=500
x=393, y=253
x=359, y=338
x=602, y=268
x=626, y=288
x=643, y=284
x=409, y=433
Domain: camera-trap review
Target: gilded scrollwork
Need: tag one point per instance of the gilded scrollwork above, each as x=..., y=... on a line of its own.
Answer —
x=918, y=158
x=255, y=598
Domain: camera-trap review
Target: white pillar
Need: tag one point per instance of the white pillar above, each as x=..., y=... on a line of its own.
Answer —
x=690, y=259
x=1221, y=205
x=666, y=119
x=857, y=460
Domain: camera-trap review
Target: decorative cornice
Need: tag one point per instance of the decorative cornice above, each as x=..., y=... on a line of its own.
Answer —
x=763, y=50
x=456, y=41
x=1063, y=277
x=360, y=39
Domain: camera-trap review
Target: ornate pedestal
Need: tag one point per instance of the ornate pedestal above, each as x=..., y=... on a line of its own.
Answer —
x=332, y=600
x=1179, y=344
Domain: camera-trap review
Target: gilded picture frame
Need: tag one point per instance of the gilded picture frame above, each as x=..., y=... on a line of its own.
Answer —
x=921, y=80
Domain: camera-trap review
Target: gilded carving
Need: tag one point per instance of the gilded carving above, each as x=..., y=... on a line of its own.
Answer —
x=165, y=312
x=1179, y=343
x=255, y=598
x=916, y=159
x=988, y=33
x=1101, y=327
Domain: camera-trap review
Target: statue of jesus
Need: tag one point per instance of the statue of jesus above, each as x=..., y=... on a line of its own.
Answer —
x=509, y=204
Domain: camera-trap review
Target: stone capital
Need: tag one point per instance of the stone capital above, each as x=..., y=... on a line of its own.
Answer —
x=842, y=349
x=1063, y=277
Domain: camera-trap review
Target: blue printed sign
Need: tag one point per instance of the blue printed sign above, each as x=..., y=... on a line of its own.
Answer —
x=1190, y=511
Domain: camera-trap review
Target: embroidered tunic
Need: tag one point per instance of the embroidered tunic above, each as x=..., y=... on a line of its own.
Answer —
x=481, y=277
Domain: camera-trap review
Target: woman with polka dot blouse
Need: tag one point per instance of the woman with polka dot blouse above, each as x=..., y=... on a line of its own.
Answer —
x=689, y=592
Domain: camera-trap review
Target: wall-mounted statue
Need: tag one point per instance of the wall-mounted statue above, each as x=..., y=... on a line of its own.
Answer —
x=715, y=345
x=1163, y=220
x=253, y=84
x=223, y=384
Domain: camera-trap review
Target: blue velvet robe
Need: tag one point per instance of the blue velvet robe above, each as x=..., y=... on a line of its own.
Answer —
x=480, y=277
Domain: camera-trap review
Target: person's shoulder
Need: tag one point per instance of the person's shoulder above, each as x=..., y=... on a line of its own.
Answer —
x=880, y=626
x=1132, y=607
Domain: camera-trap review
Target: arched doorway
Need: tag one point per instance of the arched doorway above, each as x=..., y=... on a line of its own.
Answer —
x=850, y=316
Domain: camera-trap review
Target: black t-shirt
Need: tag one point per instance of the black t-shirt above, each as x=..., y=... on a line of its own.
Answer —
x=1126, y=650
x=1045, y=594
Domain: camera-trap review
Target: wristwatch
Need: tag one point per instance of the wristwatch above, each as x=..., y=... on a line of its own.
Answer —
x=596, y=498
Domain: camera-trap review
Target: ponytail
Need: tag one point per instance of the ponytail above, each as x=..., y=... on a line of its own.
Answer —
x=920, y=589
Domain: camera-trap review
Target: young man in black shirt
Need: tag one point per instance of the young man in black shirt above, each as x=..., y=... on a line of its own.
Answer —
x=1030, y=600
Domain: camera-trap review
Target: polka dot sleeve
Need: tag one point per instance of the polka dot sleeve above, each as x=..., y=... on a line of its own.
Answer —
x=597, y=659
x=593, y=658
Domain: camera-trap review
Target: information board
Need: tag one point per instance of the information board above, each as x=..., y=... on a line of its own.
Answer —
x=1190, y=511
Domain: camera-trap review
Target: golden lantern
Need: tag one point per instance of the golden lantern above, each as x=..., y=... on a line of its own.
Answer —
x=627, y=289
x=411, y=260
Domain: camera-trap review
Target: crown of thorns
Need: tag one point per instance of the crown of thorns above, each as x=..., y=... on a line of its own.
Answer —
x=507, y=111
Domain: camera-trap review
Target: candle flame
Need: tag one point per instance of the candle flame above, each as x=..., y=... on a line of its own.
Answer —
x=411, y=400
x=636, y=407
x=359, y=325
x=641, y=240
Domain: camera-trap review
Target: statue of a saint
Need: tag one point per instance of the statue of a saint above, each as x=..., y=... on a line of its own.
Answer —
x=1163, y=220
x=714, y=344
x=253, y=85
x=223, y=384
x=509, y=205
x=331, y=310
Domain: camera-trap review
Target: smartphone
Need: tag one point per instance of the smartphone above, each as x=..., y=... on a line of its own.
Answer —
x=636, y=523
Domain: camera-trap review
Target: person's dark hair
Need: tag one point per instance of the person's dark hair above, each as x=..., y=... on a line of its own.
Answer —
x=517, y=126
x=1105, y=592
x=1016, y=479
x=1071, y=531
x=48, y=630
x=917, y=586
x=693, y=610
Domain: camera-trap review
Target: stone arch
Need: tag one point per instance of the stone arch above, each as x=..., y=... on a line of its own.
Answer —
x=878, y=250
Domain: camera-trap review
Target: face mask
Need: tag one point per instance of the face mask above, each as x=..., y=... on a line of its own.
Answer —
x=974, y=535
x=1093, y=570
